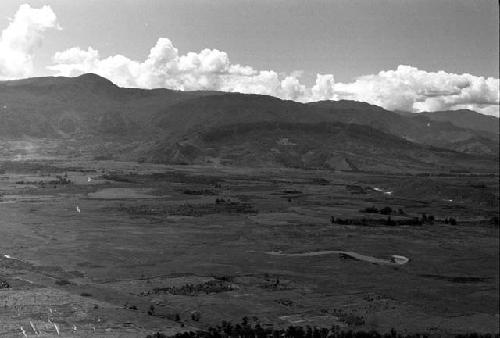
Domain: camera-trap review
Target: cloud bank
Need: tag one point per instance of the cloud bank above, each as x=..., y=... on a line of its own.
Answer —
x=20, y=39
x=404, y=88
x=410, y=89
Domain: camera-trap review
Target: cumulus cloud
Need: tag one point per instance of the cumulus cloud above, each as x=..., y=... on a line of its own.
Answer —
x=411, y=89
x=209, y=69
x=405, y=88
x=19, y=40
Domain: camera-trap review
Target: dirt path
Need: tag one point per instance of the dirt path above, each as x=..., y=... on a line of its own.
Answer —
x=395, y=259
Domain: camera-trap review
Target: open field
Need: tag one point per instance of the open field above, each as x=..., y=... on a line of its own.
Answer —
x=120, y=249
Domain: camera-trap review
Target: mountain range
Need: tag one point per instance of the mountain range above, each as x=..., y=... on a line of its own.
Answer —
x=200, y=127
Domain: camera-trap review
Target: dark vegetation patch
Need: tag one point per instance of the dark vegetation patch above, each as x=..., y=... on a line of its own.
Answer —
x=80, y=169
x=376, y=221
x=168, y=177
x=77, y=273
x=355, y=189
x=120, y=177
x=29, y=167
x=454, y=207
x=494, y=221
x=346, y=256
x=320, y=181
x=179, y=177
x=245, y=329
x=457, y=279
x=4, y=284
x=62, y=282
x=478, y=185
x=292, y=192
x=277, y=284
x=59, y=180
x=221, y=206
x=284, y=301
x=388, y=211
x=199, y=192
x=452, y=173
x=212, y=286
x=160, y=312
x=224, y=278
x=384, y=211
x=301, y=332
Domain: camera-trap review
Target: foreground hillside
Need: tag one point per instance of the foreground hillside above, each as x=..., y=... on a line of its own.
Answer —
x=90, y=115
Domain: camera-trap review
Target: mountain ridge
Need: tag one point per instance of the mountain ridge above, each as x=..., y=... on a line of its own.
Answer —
x=162, y=125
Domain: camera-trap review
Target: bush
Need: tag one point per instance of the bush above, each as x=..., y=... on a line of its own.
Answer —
x=386, y=211
x=370, y=210
x=156, y=335
x=62, y=282
x=195, y=316
x=4, y=284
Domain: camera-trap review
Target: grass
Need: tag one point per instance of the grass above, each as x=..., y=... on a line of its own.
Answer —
x=146, y=252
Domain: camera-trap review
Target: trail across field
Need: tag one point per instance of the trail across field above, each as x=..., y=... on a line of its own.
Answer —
x=395, y=259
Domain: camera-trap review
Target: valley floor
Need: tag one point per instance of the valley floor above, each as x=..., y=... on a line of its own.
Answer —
x=117, y=249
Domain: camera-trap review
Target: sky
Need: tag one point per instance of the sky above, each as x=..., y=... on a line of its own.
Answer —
x=411, y=55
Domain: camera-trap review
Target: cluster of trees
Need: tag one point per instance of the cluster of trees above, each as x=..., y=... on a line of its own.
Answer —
x=199, y=192
x=220, y=200
x=246, y=330
x=153, y=312
x=371, y=222
x=450, y=220
x=220, y=206
x=62, y=180
x=384, y=211
x=388, y=211
x=212, y=286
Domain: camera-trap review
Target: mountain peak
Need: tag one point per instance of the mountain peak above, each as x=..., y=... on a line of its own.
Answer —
x=94, y=79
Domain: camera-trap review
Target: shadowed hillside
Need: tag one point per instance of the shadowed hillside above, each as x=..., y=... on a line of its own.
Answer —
x=169, y=126
x=466, y=119
x=444, y=130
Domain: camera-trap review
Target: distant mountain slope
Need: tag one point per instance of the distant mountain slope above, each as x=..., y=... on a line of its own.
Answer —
x=195, y=127
x=465, y=118
x=84, y=105
x=324, y=145
x=418, y=128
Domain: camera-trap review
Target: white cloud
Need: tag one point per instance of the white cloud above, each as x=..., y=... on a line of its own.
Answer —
x=405, y=88
x=411, y=89
x=19, y=40
x=210, y=69
x=324, y=88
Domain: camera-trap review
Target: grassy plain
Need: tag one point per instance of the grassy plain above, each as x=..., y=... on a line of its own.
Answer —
x=172, y=248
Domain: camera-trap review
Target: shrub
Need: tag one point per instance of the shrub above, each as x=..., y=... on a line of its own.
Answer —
x=370, y=210
x=386, y=211
x=62, y=282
